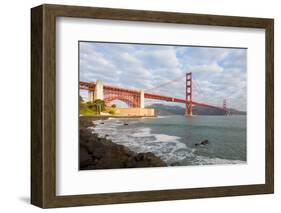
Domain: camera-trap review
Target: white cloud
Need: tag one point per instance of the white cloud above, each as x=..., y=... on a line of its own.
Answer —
x=217, y=71
x=204, y=55
x=213, y=67
x=162, y=57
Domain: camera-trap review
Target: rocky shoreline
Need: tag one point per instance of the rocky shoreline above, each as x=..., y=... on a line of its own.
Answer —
x=101, y=153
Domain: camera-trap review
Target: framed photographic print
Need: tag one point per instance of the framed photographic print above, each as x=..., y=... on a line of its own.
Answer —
x=137, y=106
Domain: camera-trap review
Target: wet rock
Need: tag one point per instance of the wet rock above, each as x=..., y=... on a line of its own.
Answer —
x=102, y=153
x=85, y=157
x=204, y=142
x=148, y=160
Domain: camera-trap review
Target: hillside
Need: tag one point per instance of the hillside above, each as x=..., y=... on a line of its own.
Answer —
x=162, y=109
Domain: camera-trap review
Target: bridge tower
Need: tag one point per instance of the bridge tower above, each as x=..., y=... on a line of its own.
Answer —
x=188, y=94
x=224, y=106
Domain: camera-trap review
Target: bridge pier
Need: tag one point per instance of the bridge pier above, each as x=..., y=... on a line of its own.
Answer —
x=91, y=96
x=98, y=94
x=141, y=99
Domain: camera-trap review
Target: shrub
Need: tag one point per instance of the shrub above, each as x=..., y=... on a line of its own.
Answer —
x=90, y=105
x=111, y=112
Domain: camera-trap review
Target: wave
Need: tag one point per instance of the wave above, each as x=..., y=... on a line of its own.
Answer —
x=202, y=160
x=141, y=139
x=163, y=116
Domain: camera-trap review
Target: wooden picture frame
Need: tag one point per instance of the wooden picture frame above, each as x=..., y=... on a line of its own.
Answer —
x=43, y=105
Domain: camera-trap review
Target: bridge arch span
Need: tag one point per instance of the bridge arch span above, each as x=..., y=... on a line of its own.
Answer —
x=129, y=101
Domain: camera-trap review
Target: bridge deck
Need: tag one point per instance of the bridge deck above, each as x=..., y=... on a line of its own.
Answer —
x=177, y=100
x=91, y=86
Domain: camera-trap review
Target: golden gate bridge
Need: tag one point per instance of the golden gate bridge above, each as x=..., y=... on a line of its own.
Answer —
x=135, y=98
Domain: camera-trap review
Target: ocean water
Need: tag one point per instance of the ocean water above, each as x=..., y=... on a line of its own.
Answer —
x=173, y=138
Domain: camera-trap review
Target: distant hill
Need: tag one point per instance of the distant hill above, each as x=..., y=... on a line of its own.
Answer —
x=162, y=109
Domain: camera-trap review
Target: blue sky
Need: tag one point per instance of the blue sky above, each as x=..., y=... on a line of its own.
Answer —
x=217, y=73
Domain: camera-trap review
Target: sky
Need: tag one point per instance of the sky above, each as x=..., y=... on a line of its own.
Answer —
x=217, y=73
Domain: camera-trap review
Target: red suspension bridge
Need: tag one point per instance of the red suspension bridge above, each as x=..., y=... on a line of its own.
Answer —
x=135, y=98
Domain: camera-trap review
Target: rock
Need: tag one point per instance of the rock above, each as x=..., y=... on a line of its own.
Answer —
x=148, y=160
x=102, y=153
x=85, y=157
x=204, y=142
x=125, y=124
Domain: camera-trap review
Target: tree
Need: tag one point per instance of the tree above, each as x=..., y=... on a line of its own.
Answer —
x=90, y=105
x=80, y=99
x=113, y=105
x=99, y=105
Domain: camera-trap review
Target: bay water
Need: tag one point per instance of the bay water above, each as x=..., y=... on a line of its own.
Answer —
x=174, y=138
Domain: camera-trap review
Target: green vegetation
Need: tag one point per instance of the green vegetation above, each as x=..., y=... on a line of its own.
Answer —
x=97, y=107
x=111, y=111
x=86, y=110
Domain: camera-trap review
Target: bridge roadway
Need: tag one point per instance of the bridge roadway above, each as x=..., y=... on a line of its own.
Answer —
x=90, y=86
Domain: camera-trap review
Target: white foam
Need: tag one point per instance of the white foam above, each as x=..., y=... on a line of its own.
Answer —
x=201, y=160
x=166, y=138
x=141, y=139
x=163, y=116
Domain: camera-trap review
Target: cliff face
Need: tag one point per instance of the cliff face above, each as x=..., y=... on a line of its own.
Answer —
x=101, y=153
